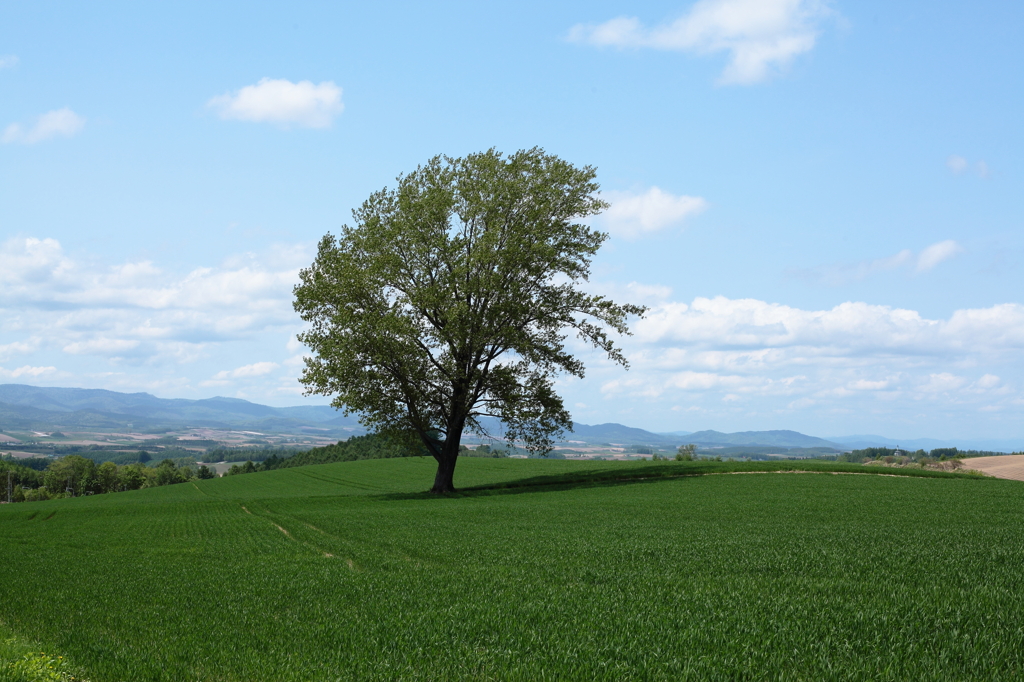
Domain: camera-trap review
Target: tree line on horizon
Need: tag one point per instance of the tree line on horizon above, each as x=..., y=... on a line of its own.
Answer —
x=75, y=476
x=370, y=446
x=919, y=456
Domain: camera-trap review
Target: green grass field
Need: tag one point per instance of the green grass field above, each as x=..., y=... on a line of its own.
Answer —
x=539, y=570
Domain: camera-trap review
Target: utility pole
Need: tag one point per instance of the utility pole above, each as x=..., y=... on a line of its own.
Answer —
x=10, y=488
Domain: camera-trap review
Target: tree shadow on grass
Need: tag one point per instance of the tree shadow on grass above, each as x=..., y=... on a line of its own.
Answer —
x=633, y=474
x=537, y=484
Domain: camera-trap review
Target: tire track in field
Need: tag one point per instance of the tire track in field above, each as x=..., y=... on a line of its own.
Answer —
x=318, y=550
x=375, y=549
x=280, y=528
x=351, y=564
x=368, y=548
x=203, y=492
x=335, y=480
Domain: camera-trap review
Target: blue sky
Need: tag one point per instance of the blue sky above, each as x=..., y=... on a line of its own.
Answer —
x=820, y=201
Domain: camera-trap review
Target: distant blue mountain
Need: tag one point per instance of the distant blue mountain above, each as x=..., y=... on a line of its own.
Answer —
x=599, y=434
x=23, y=406
x=786, y=439
x=619, y=434
x=624, y=435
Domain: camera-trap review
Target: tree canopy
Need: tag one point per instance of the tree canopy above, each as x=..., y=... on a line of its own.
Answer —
x=451, y=299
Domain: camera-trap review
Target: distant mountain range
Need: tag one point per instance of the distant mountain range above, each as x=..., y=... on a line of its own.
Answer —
x=617, y=433
x=625, y=435
x=37, y=407
x=785, y=439
x=40, y=408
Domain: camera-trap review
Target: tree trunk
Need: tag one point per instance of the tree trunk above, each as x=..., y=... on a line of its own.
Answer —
x=448, y=459
x=445, y=471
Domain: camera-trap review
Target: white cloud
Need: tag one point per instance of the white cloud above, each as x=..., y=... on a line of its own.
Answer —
x=8, y=61
x=295, y=361
x=943, y=383
x=958, y=164
x=139, y=326
x=646, y=293
x=38, y=270
x=736, y=359
x=936, y=253
x=138, y=312
x=21, y=347
x=59, y=122
x=254, y=370
x=633, y=292
x=26, y=371
x=864, y=269
x=729, y=387
x=101, y=346
x=290, y=390
x=281, y=101
x=987, y=381
x=634, y=214
x=847, y=329
x=838, y=274
x=761, y=36
x=224, y=377
x=715, y=354
x=757, y=352
x=865, y=385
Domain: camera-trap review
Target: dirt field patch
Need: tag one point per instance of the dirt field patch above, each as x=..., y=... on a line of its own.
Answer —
x=1008, y=466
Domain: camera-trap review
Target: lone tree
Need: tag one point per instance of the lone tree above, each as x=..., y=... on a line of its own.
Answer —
x=450, y=299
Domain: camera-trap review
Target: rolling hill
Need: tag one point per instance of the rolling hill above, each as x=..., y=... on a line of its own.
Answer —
x=536, y=569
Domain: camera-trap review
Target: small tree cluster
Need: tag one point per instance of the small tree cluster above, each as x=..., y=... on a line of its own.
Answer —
x=74, y=476
x=686, y=453
x=890, y=456
x=482, y=451
x=370, y=446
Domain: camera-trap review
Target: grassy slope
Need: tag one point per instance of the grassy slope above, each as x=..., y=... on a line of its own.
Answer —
x=759, y=577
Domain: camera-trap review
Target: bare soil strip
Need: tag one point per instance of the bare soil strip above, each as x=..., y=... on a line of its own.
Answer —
x=1007, y=466
x=798, y=471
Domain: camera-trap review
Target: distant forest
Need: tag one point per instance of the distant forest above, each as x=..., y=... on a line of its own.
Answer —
x=98, y=471
x=936, y=455
x=370, y=446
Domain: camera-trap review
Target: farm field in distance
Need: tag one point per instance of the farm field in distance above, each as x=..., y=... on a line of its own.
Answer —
x=20, y=443
x=537, y=570
x=195, y=442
